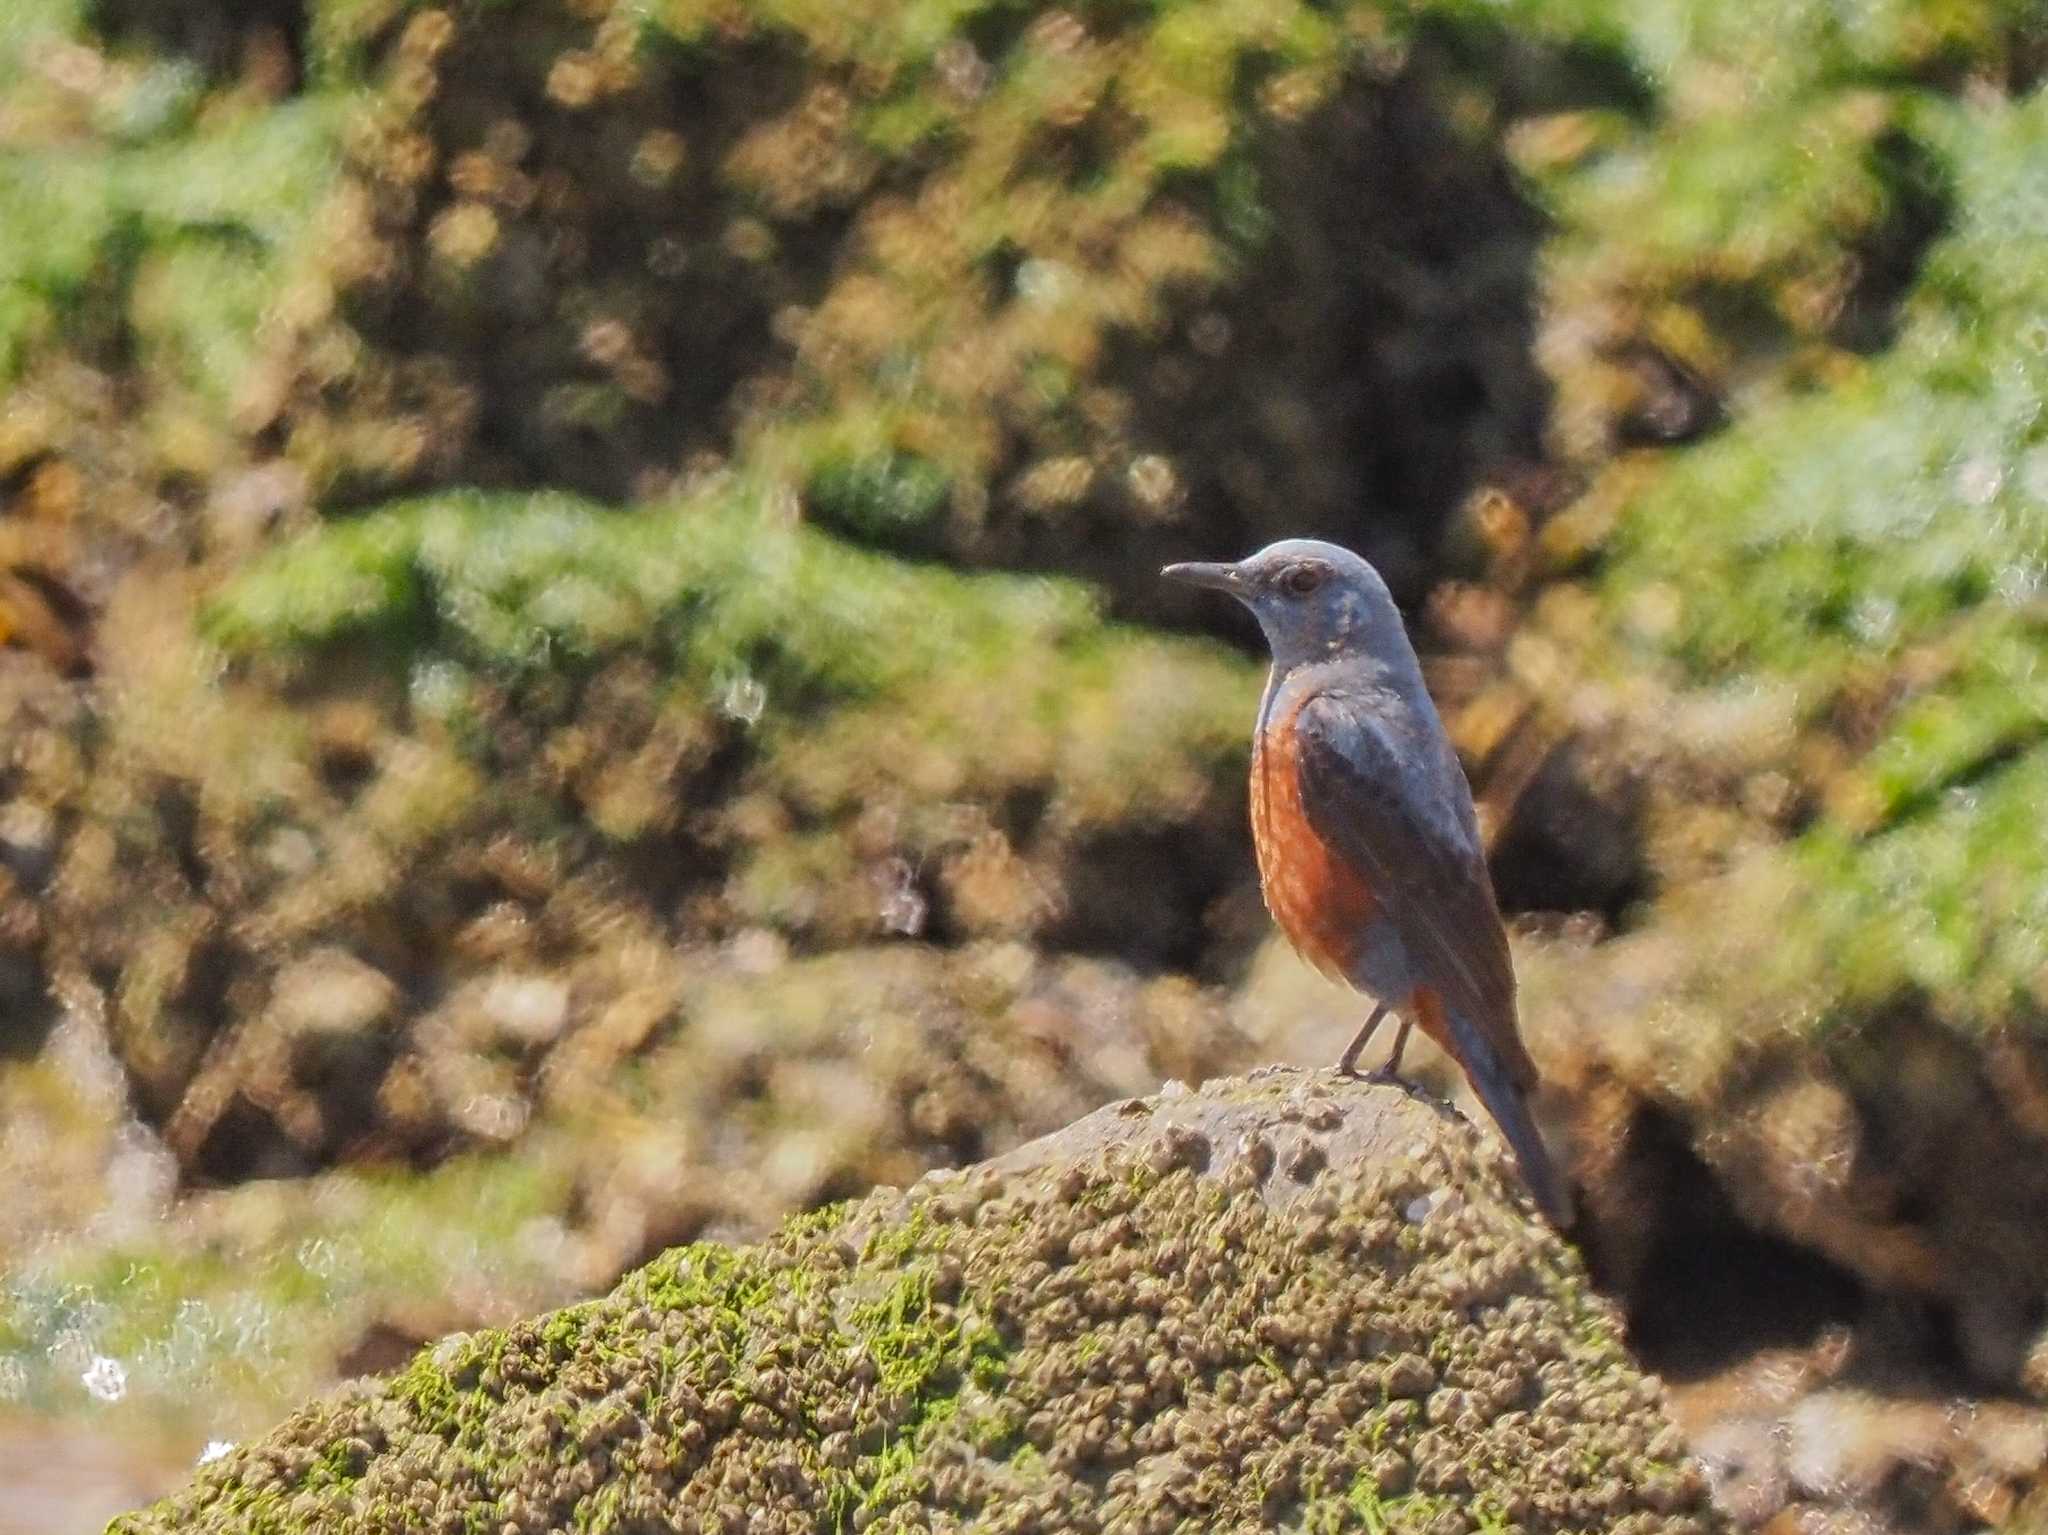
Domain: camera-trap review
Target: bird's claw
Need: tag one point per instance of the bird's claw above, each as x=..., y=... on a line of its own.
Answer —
x=1382, y=1075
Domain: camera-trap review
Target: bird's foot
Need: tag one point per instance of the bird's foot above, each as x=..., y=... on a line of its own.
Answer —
x=1382, y=1075
x=1390, y=1076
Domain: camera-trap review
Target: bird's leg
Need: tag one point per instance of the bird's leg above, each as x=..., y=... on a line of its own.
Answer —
x=1391, y=1071
x=1347, y=1063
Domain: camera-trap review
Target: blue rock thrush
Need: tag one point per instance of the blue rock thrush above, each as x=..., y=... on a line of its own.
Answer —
x=1369, y=851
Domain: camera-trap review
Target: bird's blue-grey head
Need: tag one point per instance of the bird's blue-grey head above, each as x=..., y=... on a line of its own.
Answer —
x=1314, y=601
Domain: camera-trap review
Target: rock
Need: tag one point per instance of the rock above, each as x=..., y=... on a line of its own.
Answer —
x=1841, y=1445
x=331, y=991
x=526, y=1010
x=28, y=840
x=1745, y=1466
x=1207, y=1309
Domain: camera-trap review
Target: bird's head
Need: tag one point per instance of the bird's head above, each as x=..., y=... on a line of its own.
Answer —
x=1314, y=601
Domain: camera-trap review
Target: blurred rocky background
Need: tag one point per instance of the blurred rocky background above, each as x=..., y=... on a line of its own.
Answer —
x=582, y=665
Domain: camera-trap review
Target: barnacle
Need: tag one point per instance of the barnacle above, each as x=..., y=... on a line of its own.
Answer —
x=945, y=1373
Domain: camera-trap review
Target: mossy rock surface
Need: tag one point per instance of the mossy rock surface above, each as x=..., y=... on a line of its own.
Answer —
x=1288, y=1300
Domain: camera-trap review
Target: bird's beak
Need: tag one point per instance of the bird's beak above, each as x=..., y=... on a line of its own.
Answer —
x=1218, y=578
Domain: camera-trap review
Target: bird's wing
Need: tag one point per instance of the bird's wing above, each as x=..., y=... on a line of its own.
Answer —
x=1402, y=825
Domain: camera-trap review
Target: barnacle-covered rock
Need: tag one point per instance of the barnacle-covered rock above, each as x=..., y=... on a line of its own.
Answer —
x=1051, y=286
x=1285, y=1300
x=618, y=734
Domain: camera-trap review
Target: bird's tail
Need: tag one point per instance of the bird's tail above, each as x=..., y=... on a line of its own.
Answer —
x=1504, y=1100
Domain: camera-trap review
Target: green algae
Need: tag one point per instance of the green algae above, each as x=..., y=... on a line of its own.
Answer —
x=513, y=583
x=177, y=244
x=1884, y=540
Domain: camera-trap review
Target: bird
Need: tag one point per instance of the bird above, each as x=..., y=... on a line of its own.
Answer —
x=1368, y=846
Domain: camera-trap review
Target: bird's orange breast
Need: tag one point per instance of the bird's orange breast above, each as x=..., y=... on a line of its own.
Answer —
x=1321, y=902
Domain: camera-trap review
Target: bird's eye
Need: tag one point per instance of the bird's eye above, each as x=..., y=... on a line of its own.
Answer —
x=1302, y=579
